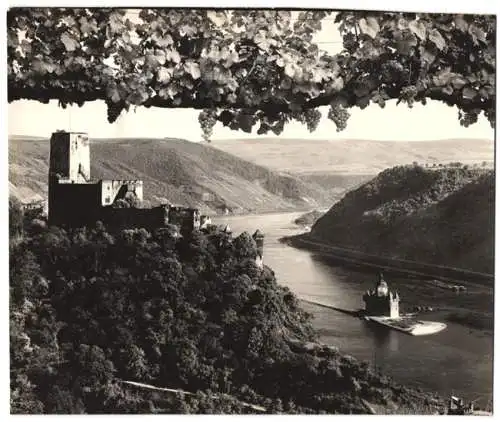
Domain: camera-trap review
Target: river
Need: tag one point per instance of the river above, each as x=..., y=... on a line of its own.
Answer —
x=455, y=361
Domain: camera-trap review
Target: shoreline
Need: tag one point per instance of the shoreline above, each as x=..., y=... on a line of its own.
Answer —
x=475, y=318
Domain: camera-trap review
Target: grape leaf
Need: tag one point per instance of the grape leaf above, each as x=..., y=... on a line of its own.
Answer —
x=187, y=30
x=160, y=56
x=231, y=59
x=460, y=23
x=369, y=26
x=427, y=55
x=469, y=93
x=218, y=18
x=443, y=78
x=162, y=41
x=193, y=69
x=477, y=34
x=448, y=90
x=402, y=24
x=164, y=75
x=436, y=37
x=173, y=55
x=116, y=25
x=87, y=26
x=114, y=94
x=418, y=28
x=458, y=82
x=338, y=84
x=70, y=44
x=289, y=70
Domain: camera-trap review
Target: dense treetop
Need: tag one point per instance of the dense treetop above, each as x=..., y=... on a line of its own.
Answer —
x=90, y=308
x=251, y=67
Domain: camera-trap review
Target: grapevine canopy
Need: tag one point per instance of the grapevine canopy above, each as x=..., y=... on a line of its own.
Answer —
x=251, y=67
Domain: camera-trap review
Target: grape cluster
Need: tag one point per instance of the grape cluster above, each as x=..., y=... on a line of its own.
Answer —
x=408, y=94
x=467, y=118
x=263, y=129
x=207, y=119
x=312, y=118
x=339, y=115
x=351, y=43
x=246, y=121
x=491, y=116
x=278, y=127
x=114, y=110
x=392, y=70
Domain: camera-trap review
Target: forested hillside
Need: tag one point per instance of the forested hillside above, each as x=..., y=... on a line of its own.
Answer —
x=90, y=309
x=443, y=216
x=174, y=170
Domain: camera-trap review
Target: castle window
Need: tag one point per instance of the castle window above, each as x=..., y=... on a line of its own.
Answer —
x=108, y=199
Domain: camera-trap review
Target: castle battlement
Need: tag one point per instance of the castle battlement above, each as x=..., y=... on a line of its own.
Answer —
x=122, y=181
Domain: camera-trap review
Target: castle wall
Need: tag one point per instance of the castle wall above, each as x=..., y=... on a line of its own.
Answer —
x=188, y=219
x=111, y=190
x=205, y=221
x=73, y=204
x=377, y=305
x=121, y=218
x=79, y=163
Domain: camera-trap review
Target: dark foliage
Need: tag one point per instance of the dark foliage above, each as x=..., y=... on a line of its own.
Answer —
x=443, y=216
x=90, y=309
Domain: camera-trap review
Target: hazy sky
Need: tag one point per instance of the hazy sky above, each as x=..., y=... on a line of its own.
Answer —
x=434, y=121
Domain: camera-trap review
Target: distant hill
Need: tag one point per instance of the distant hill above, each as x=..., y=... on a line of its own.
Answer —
x=353, y=156
x=443, y=216
x=175, y=170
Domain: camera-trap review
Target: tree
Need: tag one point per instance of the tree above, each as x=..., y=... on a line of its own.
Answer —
x=16, y=218
x=249, y=67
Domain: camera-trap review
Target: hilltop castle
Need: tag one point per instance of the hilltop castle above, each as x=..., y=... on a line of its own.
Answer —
x=380, y=301
x=76, y=200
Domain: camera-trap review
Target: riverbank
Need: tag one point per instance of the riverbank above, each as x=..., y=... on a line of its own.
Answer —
x=459, y=358
x=471, y=307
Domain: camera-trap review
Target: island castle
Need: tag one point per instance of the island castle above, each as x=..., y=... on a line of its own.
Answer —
x=381, y=301
x=76, y=200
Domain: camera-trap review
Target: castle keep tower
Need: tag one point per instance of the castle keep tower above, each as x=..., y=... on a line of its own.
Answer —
x=70, y=191
x=258, y=237
x=70, y=157
x=381, y=301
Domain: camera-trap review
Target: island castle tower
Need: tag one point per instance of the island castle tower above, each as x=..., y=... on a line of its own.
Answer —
x=381, y=301
x=258, y=237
